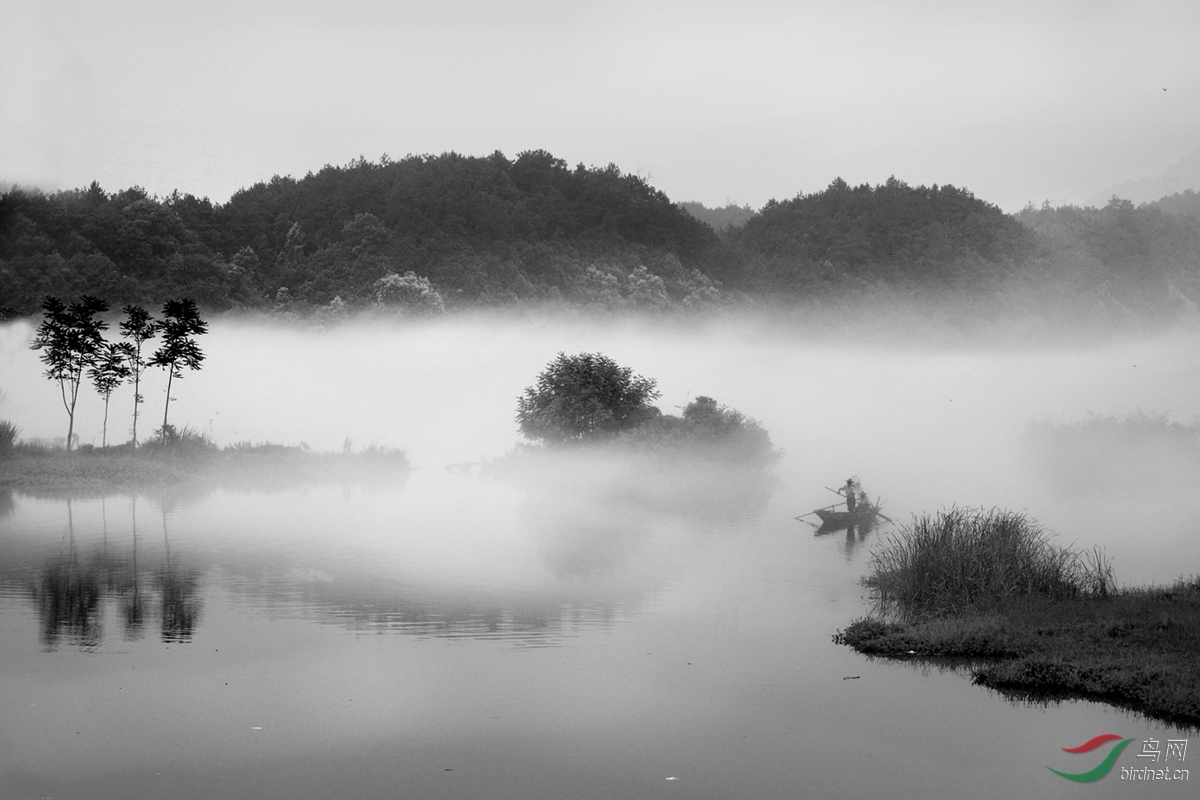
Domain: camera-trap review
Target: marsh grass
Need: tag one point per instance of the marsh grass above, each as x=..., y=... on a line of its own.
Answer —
x=189, y=456
x=8, y=438
x=972, y=558
x=1135, y=648
x=380, y=454
x=179, y=443
x=1031, y=619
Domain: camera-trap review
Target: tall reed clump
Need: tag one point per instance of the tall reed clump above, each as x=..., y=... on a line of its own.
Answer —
x=8, y=438
x=963, y=558
x=185, y=442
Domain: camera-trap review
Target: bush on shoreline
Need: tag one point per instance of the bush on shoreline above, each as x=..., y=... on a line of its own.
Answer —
x=8, y=438
x=185, y=442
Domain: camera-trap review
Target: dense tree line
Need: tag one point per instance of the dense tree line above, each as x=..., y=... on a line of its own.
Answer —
x=428, y=234
x=845, y=237
x=1181, y=204
x=1126, y=261
x=481, y=230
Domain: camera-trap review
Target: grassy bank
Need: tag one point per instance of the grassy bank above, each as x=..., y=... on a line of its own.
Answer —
x=190, y=459
x=1031, y=619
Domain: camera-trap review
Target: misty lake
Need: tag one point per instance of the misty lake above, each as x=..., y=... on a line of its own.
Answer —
x=592, y=634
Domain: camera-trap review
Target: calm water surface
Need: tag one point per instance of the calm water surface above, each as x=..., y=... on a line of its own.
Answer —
x=600, y=634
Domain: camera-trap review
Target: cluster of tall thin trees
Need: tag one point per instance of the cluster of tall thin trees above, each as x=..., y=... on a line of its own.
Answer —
x=74, y=350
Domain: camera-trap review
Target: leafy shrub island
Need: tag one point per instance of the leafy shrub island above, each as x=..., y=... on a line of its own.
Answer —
x=589, y=398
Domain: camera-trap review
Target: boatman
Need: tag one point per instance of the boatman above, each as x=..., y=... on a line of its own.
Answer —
x=851, y=492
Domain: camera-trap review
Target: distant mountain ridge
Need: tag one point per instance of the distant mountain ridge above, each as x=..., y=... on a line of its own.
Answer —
x=428, y=234
x=1178, y=177
x=721, y=219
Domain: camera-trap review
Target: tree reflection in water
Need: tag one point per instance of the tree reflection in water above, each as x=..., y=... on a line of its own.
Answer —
x=180, y=603
x=68, y=597
x=132, y=601
x=71, y=591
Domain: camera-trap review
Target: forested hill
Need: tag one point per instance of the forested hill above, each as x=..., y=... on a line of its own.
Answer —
x=484, y=230
x=1183, y=204
x=1136, y=261
x=929, y=238
x=432, y=233
x=721, y=219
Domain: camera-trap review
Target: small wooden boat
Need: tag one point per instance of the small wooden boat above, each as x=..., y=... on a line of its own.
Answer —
x=834, y=520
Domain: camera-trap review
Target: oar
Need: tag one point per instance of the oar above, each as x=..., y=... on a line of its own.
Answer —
x=878, y=513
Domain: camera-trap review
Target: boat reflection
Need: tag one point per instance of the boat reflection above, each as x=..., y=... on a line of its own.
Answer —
x=854, y=535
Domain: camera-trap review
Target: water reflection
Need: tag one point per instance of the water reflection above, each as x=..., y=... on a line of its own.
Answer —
x=178, y=586
x=591, y=517
x=579, y=551
x=72, y=588
x=128, y=586
x=68, y=597
x=6, y=502
x=854, y=536
x=477, y=614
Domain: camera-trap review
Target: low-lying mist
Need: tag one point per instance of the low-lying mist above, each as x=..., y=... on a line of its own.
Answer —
x=1135, y=454
x=927, y=421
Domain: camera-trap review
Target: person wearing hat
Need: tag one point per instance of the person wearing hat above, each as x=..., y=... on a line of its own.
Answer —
x=851, y=491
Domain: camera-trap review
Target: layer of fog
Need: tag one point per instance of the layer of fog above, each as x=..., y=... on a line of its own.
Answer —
x=924, y=425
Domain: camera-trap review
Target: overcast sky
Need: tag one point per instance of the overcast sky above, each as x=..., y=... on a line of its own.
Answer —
x=717, y=102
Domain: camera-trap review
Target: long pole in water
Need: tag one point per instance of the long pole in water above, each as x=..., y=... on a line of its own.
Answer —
x=826, y=508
